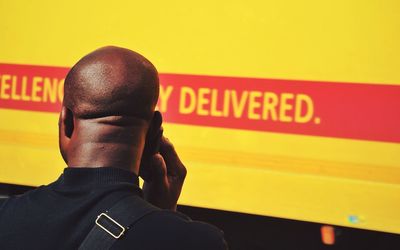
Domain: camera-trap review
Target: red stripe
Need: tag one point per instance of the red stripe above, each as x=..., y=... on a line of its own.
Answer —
x=29, y=71
x=345, y=110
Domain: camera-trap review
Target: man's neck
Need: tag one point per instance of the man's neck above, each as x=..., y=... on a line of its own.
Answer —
x=107, y=147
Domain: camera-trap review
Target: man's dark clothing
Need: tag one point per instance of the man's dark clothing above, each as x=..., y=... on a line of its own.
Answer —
x=60, y=215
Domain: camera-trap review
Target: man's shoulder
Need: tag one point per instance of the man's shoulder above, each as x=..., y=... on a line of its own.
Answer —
x=174, y=230
x=24, y=196
x=181, y=221
x=2, y=201
x=22, y=202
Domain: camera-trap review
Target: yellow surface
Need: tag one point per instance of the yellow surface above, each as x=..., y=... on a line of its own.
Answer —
x=300, y=177
x=339, y=40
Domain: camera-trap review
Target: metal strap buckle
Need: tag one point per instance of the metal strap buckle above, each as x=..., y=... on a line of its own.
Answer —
x=113, y=221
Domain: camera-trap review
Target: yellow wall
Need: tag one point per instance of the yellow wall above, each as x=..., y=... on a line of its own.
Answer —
x=292, y=176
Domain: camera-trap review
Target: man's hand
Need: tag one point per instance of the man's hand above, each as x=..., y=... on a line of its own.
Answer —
x=166, y=174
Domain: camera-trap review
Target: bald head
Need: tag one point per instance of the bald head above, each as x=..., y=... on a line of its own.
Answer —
x=112, y=81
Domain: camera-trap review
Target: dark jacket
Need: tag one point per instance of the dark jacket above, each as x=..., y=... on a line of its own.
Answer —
x=61, y=214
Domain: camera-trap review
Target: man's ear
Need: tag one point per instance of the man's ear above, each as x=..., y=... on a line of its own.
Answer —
x=65, y=130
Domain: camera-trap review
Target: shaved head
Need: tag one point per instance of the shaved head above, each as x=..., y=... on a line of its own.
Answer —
x=112, y=81
x=108, y=112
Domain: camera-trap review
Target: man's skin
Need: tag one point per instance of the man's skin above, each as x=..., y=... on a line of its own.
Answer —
x=108, y=116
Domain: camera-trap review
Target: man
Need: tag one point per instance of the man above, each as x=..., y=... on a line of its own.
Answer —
x=108, y=131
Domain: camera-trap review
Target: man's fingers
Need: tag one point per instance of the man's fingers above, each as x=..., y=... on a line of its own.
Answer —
x=174, y=165
x=153, y=169
x=167, y=177
x=157, y=167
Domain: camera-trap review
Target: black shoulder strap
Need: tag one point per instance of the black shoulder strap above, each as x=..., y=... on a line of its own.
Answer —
x=112, y=224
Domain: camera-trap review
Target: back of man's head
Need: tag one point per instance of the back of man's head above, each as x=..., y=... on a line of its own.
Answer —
x=108, y=108
x=112, y=81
